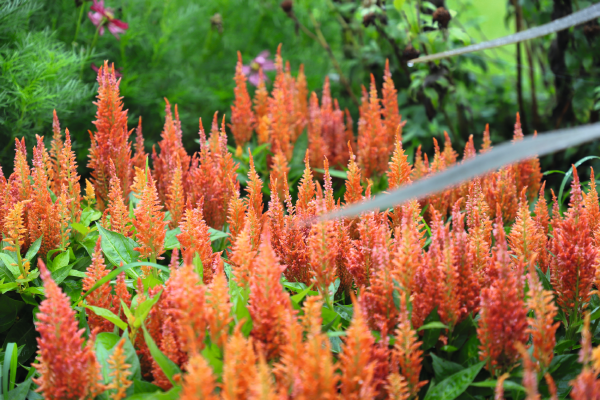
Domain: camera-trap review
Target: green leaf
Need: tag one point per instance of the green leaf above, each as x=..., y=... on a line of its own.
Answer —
x=104, y=347
x=431, y=336
x=172, y=394
x=116, y=272
x=9, y=309
x=212, y=354
x=563, y=345
x=23, y=334
x=294, y=286
x=297, y=298
x=60, y=261
x=118, y=248
x=89, y=216
x=21, y=391
x=61, y=274
x=140, y=386
x=128, y=313
x=444, y=368
x=510, y=385
x=453, y=386
x=143, y=309
x=171, y=241
x=334, y=173
x=81, y=228
x=216, y=235
x=34, y=248
x=9, y=367
x=108, y=315
x=6, y=287
x=398, y=4
x=11, y=265
x=433, y=325
x=169, y=368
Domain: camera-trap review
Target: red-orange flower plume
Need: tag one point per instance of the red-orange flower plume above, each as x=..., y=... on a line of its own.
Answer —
x=242, y=117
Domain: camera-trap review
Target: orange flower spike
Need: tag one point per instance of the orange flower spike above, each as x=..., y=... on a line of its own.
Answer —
x=318, y=375
x=389, y=101
x=218, y=307
x=56, y=147
x=541, y=326
x=530, y=378
x=288, y=368
x=573, y=264
x=238, y=367
x=269, y=304
x=408, y=355
x=373, y=152
x=242, y=117
x=69, y=178
x=586, y=385
x=407, y=254
x=200, y=382
x=355, y=359
x=140, y=156
x=279, y=171
x=316, y=143
x=591, y=205
x=67, y=368
x=523, y=238
x=263, y=387
x=542, y=220
x=354, y=189
x=185, y=299
x=499, y=389
x=306, y=191
x=14, y=228
x=254, y=189
x=503, y=313
x=111, y=139
x=469, y=287
x=100, y=297
x=261, y=98
x=487, y=142
x=22, y=170
x=397, y=387
x=150, y=224
x=175, y=197
x=399, y=169
x=236, y=216
x=195, y=238
x=118, y=211
x=119, y=372
x=322, y=253
x=480, y=228
x=121, y=293
x=64, y=216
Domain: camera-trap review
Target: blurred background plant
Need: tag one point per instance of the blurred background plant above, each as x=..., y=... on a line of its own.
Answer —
x=186, y=51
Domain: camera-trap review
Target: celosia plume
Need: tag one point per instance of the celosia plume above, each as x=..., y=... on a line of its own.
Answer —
x=118, y=211
x=242, y=117
x=68, y=368
x=238, y=367
x=110, y=141
x=150, y=223
x=120, y=373
x=195, y=239
x=199, y=383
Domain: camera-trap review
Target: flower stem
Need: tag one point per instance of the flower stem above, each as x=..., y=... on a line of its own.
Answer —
x=78, y=23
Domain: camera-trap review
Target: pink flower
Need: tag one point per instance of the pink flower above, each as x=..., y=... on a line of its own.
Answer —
x=261, y=62
x=104, y=16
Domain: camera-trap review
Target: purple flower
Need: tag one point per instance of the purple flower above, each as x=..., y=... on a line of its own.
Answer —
x=104, y=16
x=261, y=62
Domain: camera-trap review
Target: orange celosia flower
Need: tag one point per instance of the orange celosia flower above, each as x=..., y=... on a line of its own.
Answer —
x=354, y=189
x=20, y=176
x=110, y=141
x=236, y=216
x=195, y=238
x=172, y=154
x=238, y=367
x=530, y=379
x=64, y=218
x=69, y=178
x=528, y=173
x=503, y=319
x=175, y=199
x=501, y=190
x=407, y=355
x=480, y=229
x=218, y=307
x=279, y=172
x=118, y=211
x=269, y=304
x=591, y=205
x=316, y=143
x=68, y=368
x=397, y=387
x=389, y=101
x=573, y=264
x=254, y=189
x=101, y=297
x=317, y=371
x=322, y=253
x=120, y=372
x=43, y=218
x=300, y=103
x=373, y=151
x=56, y=147
x=263, y=387
x=542, y=221
x=242, y=117
x=14, y=228
x=586, y=385
x=171, y=346
x=150, y=223
x=261, y=97
x=213, y=177
x=542, y=326
x=199, y=383
x=140, y=156
x=355, y=359
x=524, y=237
x=281, y=111
x=398, y=174
x=185, y=301
x=373, y=237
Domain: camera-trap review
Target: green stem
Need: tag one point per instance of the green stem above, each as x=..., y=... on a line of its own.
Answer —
x=78, y=23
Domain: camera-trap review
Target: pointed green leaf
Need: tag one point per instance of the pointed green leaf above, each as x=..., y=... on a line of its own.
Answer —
x=10, y=264
x=171, y=241
x=169, y=368
x=108, y=315
x=118, y=248
x=34, y=248
x=453, y=386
